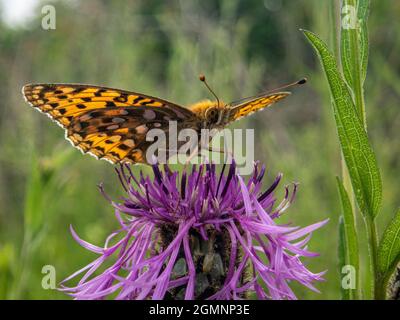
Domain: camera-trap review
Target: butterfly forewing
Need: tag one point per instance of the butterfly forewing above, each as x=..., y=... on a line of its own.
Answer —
x=108, y=123
x=64, y=101
x=249, y=106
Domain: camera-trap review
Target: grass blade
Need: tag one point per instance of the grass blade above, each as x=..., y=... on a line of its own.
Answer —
x=350, y=243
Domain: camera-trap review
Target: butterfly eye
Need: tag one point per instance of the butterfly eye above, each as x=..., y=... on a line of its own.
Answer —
x=212, y=115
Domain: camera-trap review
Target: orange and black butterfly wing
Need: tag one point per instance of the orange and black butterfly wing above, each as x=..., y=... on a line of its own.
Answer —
x=249, y=106
x=105, y=122
x=119, y=134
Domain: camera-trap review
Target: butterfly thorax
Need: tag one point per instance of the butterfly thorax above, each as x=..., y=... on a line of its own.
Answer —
x=211, y=113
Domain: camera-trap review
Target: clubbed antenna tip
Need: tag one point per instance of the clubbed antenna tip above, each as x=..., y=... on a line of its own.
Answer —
x=302, y=81
x=202, y=78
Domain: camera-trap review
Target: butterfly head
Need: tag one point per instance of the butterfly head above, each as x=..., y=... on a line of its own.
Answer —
x=211, y=113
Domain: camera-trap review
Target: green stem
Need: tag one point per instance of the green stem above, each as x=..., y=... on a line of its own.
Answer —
x=336, y=26
x=335, y=9
x=358, y=95
x=373, y=254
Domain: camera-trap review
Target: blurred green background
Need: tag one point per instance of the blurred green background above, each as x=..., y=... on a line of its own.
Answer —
x=159, y=48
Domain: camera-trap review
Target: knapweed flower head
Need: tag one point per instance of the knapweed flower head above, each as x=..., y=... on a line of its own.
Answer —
x=198, y=235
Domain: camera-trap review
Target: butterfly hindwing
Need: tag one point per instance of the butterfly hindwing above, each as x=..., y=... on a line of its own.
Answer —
x=242, y=109
x=105, y=122
x=118, y=134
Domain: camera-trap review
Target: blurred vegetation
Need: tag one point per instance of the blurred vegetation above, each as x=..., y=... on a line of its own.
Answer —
x=159, y=48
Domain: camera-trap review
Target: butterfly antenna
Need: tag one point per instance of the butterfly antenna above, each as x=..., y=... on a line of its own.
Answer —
x=202, y=78
x=299, y=82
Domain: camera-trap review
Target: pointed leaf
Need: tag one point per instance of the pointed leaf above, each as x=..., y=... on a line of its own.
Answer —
x=389, y=249
x=358, y=154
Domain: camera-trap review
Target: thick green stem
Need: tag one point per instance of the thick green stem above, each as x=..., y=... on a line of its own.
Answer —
x=354, y=59
x=335, y=9
x=357, y=88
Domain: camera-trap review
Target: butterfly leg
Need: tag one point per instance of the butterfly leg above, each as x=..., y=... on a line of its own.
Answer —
x=192, y=155
x=218, y=150
x=225, y=150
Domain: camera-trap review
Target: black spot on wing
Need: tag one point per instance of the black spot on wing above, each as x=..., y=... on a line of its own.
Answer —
x=84, y=124
x=151, y=101
x=95, y=114
x=106, y=120
x=110, y=104
x=101, y=149
x=122, y=98
x=123, y=147
x=78, y=90
x=137, y=100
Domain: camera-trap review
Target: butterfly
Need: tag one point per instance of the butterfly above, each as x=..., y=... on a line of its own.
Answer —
x=112, y=124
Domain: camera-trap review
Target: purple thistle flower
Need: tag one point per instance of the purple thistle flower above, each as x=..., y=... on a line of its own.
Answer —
x=201, y=235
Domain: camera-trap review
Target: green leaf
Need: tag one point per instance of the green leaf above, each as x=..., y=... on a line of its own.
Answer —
x=342, y=257
x=350, y=242
x=358, y=154
x=362, y=14
x=354, y=49
x=389, y=249
x=348, y=42
x=354, y=41
x=363, y=9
